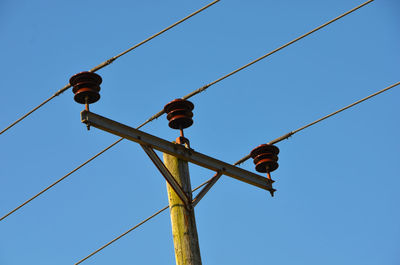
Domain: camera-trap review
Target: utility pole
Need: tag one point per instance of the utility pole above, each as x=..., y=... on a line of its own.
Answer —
x=184, y=231
x=175, y=169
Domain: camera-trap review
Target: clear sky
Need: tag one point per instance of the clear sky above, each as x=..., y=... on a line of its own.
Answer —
x=338, y=181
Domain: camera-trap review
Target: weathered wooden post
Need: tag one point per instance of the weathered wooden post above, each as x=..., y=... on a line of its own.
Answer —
x=184, y=231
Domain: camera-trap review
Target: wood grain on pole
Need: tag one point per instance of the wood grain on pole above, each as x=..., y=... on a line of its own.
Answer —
x=184, y=231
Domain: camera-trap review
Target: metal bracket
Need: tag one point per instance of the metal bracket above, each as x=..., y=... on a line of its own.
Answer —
x=209, y=185
x=167, y=175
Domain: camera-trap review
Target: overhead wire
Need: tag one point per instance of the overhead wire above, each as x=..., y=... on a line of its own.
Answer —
x=195, y=92
x=57, y=181
x=107, y=62
x=289, y=134
x=63, y=177
x=201, y=89
x=134, y=227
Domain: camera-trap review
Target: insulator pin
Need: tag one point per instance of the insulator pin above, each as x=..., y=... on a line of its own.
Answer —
x=86, y=87
x=179, y=113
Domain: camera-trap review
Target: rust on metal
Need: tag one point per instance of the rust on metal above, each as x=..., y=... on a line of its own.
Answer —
x=183, y=141
x=86, y=87
x=265, y=157
x=179, y=113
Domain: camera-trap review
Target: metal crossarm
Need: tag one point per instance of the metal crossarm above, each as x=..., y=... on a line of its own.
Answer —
x=177, y=150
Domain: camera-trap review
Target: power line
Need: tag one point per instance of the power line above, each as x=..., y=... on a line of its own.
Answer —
x=59, y=180
x=134, y=227
x=342, y=109
x=123, y=234
x=185, y=97
x=63, y=177
x=107, y=62
x=199, y=90
x=286, y=136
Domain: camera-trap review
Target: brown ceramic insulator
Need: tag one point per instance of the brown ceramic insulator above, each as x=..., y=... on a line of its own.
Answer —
x=179, y=113
x=265, y=158
x=86, y=86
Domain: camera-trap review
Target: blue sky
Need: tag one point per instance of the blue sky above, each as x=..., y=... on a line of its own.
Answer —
x=337, y=198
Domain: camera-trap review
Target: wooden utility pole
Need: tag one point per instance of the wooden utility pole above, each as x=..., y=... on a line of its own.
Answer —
x=184, y=231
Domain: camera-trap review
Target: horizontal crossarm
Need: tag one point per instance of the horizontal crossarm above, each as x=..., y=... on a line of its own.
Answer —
x=177, y=150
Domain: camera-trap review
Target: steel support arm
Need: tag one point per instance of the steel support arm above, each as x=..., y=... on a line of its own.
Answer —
x=204, y=191
x=167, y=175
x=177, y=150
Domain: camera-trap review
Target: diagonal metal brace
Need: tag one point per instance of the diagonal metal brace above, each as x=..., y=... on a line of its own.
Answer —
x=167, y=175
x=209, y=185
